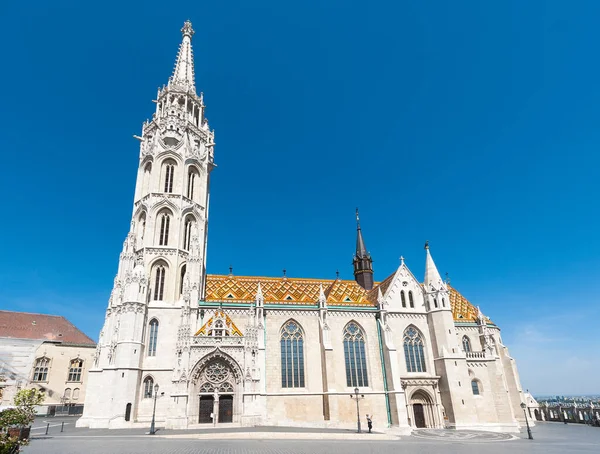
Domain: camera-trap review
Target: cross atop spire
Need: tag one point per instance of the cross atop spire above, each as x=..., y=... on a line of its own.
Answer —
x=183, y=74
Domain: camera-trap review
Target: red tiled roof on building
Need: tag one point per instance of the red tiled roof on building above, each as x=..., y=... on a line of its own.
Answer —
x=55, y=328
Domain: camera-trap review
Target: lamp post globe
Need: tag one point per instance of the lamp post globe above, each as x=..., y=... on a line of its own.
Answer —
x=152, y=425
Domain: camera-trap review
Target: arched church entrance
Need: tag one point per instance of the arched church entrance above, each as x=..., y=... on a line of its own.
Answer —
x=216, y=382
x=422, y=409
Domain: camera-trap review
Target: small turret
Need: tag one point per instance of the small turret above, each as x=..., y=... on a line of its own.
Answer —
x=363, y=264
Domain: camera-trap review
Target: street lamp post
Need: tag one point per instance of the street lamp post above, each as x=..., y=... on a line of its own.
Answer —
x=524, y=407
x=152, y=428
x=357, y=397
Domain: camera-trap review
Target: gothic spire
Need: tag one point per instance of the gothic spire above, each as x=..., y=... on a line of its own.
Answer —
x=361, y=250
x=183, y=74
x=363, y=265
x=433, y=280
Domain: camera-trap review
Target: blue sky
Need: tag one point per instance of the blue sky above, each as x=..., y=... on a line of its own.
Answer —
x=471, y=124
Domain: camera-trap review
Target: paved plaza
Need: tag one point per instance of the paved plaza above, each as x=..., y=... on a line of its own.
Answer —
x=550, y=438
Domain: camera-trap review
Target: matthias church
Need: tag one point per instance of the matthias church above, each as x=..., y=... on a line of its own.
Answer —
x=217, y=350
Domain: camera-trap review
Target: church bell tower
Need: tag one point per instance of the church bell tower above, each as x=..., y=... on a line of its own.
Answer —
x=162, y=269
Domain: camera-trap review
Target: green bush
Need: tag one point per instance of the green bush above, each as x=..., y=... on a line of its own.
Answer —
x=20, y=417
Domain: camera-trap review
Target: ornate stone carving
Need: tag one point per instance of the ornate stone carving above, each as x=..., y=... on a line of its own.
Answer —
x=217, y=357
x=406, y=382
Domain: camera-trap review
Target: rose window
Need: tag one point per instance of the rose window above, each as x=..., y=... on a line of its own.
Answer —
x=217, y=372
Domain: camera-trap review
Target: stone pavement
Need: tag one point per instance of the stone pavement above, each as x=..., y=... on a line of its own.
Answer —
x=550, y=438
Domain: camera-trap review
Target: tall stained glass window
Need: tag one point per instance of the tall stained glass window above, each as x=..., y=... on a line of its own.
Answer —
x=153, y=338
x=413, y=350
x=354, y=354
x=292, y=356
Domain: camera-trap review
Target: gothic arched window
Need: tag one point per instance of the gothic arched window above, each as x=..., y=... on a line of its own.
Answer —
x=435, y=303
x=169, y=176
x=148, y=387
x=292, y=356
x=75, y=369
x=413, y=350
x=165, y=220
x=466, y=344
x=141, y=227
x=475, y=387
x=153, y=337
x=411, y=301
x=146, y=179
x=40, y=372
x=159, y=282
x=187, y=233
x=192, y=177
x=403, y=298
x=355, y=357
x=443, y=302
x=182, y=279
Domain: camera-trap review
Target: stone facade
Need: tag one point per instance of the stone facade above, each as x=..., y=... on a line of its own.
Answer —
x=275, y=351
x=34, y=354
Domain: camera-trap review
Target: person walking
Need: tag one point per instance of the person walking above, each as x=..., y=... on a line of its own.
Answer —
x=369, y=423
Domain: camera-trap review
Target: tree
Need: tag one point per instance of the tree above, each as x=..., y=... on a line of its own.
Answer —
x=17, y=420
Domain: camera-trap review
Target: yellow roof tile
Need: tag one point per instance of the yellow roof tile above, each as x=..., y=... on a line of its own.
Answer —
x=298, y=291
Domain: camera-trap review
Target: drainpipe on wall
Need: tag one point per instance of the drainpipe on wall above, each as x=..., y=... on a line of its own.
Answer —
x=385, y=386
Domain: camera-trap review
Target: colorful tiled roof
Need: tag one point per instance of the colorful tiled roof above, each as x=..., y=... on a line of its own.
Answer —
x=55, y=328
x=283, y=290
x=461, y=308
x=296, y=291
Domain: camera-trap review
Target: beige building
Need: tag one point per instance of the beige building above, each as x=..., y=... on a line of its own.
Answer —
x=43, y=351
x=226, y=349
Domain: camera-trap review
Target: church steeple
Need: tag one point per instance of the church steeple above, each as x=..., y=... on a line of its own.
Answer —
x=183, y=74
x=363, y=264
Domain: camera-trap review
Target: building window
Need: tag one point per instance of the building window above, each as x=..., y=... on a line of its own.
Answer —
x=148, y=387
x=141, y=228
x=182, y=279
x=413, y=350
x=403, y=298
x=169, y=173
x=218, y=328
x=355, y=357
x=159, y=282
x=443, y=302
x=187, y=233
x=67, y=395
x=76, y=394
x=475, y=387
x=163, y=239
x=191, y=182
x=411, y=301
x=435, y=303
x=75, y=368
x=466, y=344
x=40, y=372
x=292, y=356
x=152, y=338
